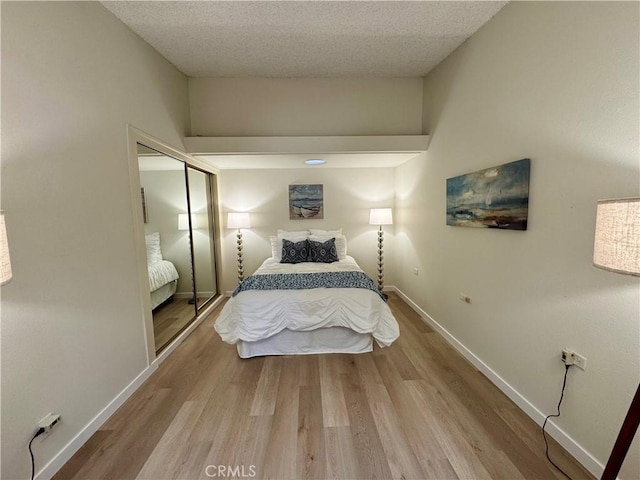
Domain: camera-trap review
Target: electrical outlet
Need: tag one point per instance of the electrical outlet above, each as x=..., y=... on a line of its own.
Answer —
x=48, y=422
x=464, y=297
x=415, y=271
x=569, y=357
x=580, y=361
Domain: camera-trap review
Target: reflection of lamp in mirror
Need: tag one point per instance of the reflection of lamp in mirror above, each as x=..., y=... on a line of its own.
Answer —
x=380, y=216
x=239, y=221
x=5, y=261
x=617, y=248
x=183, y=221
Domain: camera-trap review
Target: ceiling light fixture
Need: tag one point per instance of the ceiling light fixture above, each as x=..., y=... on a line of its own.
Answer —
x=314, y=161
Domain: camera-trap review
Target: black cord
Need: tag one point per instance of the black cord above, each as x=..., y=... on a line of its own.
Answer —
x=33, y=463
x=544, y=435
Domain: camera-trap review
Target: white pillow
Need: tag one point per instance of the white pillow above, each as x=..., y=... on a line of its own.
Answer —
x=331, y=233
x=341, y=243
x=276, y=244
x=154, y=254
x=287, y=235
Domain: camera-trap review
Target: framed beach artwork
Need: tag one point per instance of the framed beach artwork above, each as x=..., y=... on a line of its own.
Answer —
x=496, y=197
x=306, y=202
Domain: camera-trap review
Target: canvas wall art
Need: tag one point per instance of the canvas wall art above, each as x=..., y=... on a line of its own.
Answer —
x=496, y=197
x=306, y=202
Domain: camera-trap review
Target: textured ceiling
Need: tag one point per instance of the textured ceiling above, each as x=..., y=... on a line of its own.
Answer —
x=304, y=38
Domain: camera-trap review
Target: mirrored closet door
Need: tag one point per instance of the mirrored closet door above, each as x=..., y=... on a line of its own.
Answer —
x=177, y=210
x=201, y=203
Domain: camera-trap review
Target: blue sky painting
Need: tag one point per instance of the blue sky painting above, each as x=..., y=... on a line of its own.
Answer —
x=496, y=197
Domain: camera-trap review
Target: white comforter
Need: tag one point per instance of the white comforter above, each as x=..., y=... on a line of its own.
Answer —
x=161, y=273
x=258, y=314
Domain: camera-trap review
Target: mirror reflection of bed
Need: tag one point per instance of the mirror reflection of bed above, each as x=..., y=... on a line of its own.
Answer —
x=180, y=248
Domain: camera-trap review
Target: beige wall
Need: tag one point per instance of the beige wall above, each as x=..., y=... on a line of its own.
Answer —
x=73, y=76
x=556, y=82
x=348, y=196
x=227, y=107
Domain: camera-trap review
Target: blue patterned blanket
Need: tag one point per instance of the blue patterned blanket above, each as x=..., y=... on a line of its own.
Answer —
x=299, y=281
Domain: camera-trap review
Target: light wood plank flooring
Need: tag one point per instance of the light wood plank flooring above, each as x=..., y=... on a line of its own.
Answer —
x=415, y=410
x=170, y=319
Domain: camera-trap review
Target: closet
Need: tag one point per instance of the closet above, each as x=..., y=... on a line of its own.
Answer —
x=178, y=216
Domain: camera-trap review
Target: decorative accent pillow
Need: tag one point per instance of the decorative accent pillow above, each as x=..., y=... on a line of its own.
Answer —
x=295, y=252
x=323, y=252
x=341, y=243
x=276, y=244
x=154, y=254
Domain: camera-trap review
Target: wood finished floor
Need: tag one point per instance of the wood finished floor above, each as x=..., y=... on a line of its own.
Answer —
x=414, y=410
x=170, y=319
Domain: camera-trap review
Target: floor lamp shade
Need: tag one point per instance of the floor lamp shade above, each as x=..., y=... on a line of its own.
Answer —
x=381, y=216
x=616, y=248
x=5, y=261
x=617, y=239
x=238, y=220
x=183, y=221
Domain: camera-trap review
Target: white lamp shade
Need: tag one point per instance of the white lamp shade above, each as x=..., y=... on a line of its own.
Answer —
x=5, y=261
x=238, y=220
x=617, y=239
x=381, y=216
x=183, y=222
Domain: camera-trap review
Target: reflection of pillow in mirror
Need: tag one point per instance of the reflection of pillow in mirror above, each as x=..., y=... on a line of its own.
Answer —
x=154, y=254
x=341, y=243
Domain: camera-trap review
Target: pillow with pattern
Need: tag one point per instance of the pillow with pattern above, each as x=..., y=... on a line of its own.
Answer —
x=323, y=252
x=341, y=243
x=294, y=252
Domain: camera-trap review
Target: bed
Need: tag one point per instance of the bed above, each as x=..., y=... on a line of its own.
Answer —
x=307, y=307
x=163, y=276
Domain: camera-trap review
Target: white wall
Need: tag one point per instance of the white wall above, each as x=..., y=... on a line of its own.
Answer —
x=556, y=82
x=348, y=196
x=288, y=107
x=73, y=76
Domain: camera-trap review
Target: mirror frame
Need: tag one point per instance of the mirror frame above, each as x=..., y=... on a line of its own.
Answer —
x=135, y=136
x=212, y=205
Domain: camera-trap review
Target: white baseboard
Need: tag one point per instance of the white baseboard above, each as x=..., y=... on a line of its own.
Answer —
x=56, y=463
x=51, y=468
x=574, y=448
